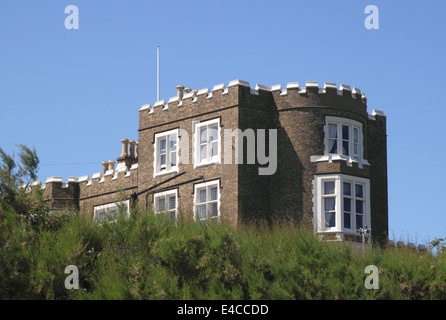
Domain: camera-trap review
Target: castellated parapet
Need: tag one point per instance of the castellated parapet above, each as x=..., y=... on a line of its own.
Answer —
x=298, y=113
x=238, y=92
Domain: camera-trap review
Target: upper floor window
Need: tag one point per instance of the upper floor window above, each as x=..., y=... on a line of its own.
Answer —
x=110, y=211
x=344, y=137
x=342, y=203
x=207, y=201
x=207, y=142
x=166, y=152
x=166, y=203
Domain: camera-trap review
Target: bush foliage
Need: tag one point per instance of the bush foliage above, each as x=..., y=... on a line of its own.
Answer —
x=148, y=257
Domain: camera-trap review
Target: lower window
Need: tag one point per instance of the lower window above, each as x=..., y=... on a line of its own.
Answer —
x=342, y=203
x=207, y=201
x=166, y=203
x=110, y=211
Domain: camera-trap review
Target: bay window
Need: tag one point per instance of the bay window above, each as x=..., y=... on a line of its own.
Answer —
x=343, y=137
x=342, y=203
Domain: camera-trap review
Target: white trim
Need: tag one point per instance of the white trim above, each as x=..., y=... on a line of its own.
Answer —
x=207, y=185
x=318, y=212
x=350, y=158
x=156, y=170
x=238, y=83
x=108, y=206
x=196, y=145
x=54, y=179
x=165, y=195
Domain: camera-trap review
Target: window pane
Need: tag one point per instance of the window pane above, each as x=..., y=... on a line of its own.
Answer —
x=330, y=221
x=347, y=220
x=101, y=215
x=329, y=187
x=163, y=158
x=332, y=146
x=332, y=131
x=347, y=205
x=347, y=189
x=345, y=132
x=203, y=153
x=214, y=149
x=329, y=204
x=112, y=213
x=173, y=143
x=172, y=202
x=201, y=211
x=213, y=212
x=163, y=145
x=173, y=159
x=360, y=191
x=356, y=135
x=359, y=221
x=161, y=204
x=359, y=206
x=202, y=196
x=345, y=148
x=203, y=135
x=172, y=215
x=213, y=194
x=356, y=150
x=213, y=133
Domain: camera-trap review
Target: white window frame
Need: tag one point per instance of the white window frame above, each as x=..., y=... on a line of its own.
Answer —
x=166, y=195
x=107, y=207
x=319, y=213
x=351, y=124
x=207, y=186
x=196, y=131
x=157, y=170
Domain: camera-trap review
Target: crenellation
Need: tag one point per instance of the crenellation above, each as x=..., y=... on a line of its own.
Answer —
x=292, y=85
x=54, y=179
x=263, y=87
x=191, y=97
x=83, y=179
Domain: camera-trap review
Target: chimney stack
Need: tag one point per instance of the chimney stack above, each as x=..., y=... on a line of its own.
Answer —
x=132, y=148
x=104, y=167
x=180, y=89
x=136, y=151
x=111, y=165
x=125, y=143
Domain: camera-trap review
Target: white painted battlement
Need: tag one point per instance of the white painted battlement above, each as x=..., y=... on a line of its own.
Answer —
x=342, y=90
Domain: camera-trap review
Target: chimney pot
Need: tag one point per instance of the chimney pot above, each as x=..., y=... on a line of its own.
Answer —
x=136, y=150
x=132, y=148
x=125, y=143
x=180, y=89
x=111, y=165
x=104, y=166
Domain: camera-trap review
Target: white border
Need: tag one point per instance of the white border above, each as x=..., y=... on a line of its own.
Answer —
x=196, y=138
x=205, y=185
x=112, y=205
x=166, y=194
x=155, y=153
x=318, y=203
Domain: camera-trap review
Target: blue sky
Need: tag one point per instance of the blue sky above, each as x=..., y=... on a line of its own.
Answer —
x=74, y=94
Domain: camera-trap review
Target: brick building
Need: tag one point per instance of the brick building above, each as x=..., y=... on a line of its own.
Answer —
x=330, y=170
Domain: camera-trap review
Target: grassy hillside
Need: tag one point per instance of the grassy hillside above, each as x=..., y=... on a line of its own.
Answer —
x=147, y=257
